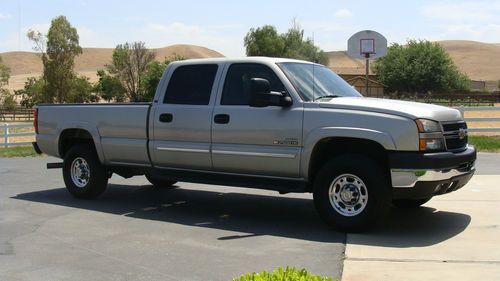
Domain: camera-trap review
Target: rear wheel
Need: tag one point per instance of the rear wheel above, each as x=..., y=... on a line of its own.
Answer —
x=84, y=175
x=160, y=181
x=410, y=203
x=351, y=192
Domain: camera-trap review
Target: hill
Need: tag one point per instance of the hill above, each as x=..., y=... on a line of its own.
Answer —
x=26, y=64
x=480, y=61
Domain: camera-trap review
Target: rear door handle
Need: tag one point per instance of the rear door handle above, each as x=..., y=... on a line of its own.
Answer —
x=221, y=118
x=166, y=117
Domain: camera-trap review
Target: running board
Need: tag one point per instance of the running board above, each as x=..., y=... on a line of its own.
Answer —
x=55, y=165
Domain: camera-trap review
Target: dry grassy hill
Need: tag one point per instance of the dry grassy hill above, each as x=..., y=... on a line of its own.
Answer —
x=480, y=61
x=26, y=64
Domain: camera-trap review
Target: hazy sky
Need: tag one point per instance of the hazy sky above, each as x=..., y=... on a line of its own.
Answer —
x=221, y=25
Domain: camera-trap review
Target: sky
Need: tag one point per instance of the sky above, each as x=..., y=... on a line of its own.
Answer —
x=221, y=25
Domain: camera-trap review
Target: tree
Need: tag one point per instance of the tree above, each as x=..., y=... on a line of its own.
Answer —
x=128, y=65
x=4, y=74
x=58, y=62
x=420, y=66
x=109, y=88
x=33, y=92
x=266, y=41
x=151, y=77
x=8, y=101
x=81, y=90
x=59, y=82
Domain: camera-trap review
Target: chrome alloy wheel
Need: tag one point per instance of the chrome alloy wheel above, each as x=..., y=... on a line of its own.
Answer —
x=80, y=172
x=348, y=195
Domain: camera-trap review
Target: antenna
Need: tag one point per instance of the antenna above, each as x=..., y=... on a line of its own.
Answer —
x=314, y=66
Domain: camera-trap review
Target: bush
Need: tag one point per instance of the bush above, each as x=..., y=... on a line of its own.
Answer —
x=289, y=274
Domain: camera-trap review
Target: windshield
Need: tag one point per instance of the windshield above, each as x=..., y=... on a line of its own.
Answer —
x=327, y=84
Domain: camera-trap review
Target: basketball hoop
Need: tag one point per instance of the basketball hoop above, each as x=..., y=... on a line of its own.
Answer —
x=367, y=44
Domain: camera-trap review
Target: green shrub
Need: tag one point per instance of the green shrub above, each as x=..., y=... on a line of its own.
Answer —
x=289, y=274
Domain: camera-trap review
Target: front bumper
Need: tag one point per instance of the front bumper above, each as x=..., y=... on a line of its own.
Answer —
x=422, y=175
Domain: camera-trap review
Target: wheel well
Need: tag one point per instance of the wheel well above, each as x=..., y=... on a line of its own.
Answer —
x=71, y=137
x=328, y=148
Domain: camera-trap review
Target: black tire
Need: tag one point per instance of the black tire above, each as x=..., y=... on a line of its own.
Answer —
x=159, y=181
x=366, y=184
x=80, y=185
x=410, y=203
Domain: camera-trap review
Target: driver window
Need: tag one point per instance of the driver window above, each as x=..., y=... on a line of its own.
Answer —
x=237, y=84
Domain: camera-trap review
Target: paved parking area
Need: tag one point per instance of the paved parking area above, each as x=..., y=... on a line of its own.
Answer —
x=136, y=232
x=201, y=232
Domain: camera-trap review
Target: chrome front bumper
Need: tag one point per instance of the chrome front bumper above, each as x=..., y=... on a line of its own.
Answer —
x=408, y=178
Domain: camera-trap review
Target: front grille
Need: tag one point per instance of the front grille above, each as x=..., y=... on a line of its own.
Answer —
x=454, y=135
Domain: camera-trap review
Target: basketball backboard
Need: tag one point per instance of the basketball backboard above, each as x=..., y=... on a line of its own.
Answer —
x=367, y=43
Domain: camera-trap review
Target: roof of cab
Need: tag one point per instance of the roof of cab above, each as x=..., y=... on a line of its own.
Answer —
x=241, y=60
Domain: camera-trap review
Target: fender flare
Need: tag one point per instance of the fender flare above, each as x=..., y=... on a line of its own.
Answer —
x=383, y=139
x=90, y=128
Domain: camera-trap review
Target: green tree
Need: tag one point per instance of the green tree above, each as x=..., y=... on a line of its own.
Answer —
x=4, y=74
x=81, y=90
x=266, y=41
x=109, y=88
x=33, y=92
x=8, y=101
x=128, y=66
x=151, y=77
x=58, y=61
x=419, y=66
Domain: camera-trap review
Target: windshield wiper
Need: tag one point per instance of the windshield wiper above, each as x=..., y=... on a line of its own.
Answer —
x=328, y=97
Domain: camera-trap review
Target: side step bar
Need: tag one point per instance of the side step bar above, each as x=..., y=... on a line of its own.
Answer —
x=55, y=165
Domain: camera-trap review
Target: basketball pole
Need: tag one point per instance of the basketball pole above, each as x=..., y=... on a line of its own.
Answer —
x=367, y=57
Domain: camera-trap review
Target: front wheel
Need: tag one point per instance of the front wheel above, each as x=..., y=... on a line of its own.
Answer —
x=85, y=177
x=351, y=192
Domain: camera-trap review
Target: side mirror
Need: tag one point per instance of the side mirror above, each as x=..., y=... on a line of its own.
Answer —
x=262, y=96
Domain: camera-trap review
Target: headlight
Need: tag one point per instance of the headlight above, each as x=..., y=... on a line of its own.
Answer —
x=427, y=126
x=430, y=135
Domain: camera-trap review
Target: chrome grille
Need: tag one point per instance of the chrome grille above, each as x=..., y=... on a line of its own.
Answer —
x=455, y=135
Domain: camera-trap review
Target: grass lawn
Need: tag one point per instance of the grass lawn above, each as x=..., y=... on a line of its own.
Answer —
x=17, y=151
x=482, y=143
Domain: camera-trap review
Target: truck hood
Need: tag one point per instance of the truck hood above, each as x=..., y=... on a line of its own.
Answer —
x=408, y=109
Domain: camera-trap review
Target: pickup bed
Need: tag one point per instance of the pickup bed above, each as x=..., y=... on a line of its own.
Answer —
x=278, y=124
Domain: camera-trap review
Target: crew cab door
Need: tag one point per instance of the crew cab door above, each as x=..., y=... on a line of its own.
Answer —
x=255, y=140
x=182, y=117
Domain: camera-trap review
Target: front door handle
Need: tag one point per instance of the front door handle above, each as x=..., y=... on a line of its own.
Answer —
x=221, y=118
x=166, y=117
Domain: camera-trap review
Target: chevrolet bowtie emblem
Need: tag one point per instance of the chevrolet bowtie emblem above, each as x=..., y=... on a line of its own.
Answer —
x=462, y=133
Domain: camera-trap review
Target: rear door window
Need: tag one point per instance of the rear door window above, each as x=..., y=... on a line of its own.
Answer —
x=191, y=84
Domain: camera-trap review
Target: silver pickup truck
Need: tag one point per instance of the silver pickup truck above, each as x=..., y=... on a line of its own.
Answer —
x=270, y=123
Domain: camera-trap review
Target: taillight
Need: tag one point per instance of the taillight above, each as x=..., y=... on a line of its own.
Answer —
x=35, y=120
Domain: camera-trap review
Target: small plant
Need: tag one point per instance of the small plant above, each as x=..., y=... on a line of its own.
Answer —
x=289, y=274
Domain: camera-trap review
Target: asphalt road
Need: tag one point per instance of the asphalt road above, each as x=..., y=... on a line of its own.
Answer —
x=136, y=232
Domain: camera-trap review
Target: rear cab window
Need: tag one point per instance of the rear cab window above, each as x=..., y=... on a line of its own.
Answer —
x=191, y=84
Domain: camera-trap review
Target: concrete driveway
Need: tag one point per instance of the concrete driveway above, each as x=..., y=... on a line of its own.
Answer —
x=202, y=232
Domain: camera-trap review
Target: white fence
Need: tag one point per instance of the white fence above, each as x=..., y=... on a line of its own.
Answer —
x=6, y=134
x=6, y=127
x=464, y=109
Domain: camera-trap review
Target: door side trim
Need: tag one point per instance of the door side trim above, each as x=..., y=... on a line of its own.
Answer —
x=183, y=149
x=258, y=154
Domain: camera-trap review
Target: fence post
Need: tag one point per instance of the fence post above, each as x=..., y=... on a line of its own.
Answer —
x=6, y=134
